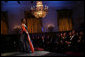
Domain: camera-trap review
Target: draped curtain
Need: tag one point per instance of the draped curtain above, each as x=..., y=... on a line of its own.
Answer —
x=64, y=20
x=4, y=23
x=65, y=24
x=34, y=25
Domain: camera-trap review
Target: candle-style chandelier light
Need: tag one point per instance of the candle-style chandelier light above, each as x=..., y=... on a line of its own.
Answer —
x=39, y=11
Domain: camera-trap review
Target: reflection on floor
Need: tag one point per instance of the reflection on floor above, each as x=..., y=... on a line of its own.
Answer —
x=36, y=53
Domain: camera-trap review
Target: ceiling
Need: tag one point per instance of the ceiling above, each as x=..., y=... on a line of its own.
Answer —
x=54, y=4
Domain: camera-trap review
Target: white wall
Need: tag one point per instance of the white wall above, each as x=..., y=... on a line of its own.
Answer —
x=78, y=15
x=15, y=13
x=51, y=18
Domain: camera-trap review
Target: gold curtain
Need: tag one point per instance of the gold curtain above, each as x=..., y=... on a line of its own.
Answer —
x=64, y=19
x=4, y=29
x=65, y=24
x=4, y=23
x=34, y=25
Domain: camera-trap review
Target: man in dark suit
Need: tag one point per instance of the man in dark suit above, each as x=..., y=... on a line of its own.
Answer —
x=80, y=41
x=72, y=40
x=23, y=37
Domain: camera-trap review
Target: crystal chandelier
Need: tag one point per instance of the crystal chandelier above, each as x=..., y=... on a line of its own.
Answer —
x=39, y=11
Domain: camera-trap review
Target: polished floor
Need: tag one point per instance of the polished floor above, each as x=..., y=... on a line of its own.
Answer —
x=36, y=53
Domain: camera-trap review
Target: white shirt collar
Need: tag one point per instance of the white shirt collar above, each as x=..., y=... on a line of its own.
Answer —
x=24, y=25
